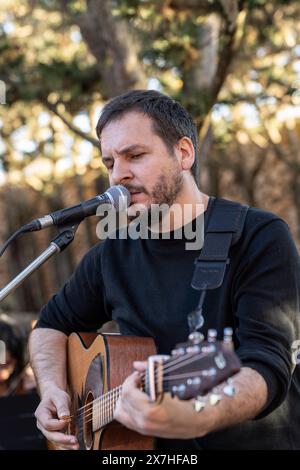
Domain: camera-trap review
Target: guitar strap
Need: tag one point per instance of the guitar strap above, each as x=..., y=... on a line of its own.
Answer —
x=224, y=229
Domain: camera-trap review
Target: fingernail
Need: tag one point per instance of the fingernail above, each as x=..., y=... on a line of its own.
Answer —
x=65, y=417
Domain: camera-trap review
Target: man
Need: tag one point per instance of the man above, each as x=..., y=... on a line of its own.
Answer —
x=148, y=144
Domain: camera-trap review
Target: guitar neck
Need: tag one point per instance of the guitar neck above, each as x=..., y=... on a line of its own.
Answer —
x=194, y=371
x=103, y=408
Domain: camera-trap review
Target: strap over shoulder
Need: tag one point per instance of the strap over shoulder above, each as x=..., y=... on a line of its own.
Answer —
x=224, y=229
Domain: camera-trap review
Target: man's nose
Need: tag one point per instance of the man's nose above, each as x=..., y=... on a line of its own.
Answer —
x=120, y=172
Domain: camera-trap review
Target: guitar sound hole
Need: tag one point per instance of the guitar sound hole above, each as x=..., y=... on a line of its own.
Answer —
x=88, y=423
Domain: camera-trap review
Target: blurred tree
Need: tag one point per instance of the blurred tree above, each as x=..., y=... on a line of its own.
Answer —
x=234, y=64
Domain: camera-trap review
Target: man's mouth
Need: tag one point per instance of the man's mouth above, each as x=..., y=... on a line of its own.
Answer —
x=134, y=196
x=134, y=192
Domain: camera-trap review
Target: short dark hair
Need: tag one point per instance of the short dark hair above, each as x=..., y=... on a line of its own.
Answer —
x=170, y=120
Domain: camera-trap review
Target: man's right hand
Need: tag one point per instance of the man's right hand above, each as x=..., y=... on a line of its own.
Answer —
x=55, y=405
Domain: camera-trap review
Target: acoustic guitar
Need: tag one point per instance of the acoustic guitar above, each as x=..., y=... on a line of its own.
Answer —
x=98, y=365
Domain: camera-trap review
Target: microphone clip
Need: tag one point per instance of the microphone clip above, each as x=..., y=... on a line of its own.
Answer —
x=65, y=236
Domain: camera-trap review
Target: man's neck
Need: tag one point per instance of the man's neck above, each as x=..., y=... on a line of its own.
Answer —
x=189, y=204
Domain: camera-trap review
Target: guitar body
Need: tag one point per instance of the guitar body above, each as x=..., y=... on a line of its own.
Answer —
x=99, y=364
x=96, y=364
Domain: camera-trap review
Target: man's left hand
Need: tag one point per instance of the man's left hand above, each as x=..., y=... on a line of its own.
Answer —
x=171, y=418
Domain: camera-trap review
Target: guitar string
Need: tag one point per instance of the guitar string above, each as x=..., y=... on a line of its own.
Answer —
x=111, y=397
x=105, y=415
x=105, y=400
x=117, y=389
x=168, y=368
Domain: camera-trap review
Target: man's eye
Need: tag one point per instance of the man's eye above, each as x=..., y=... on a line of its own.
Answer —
x=137, y=156
x=109, y=165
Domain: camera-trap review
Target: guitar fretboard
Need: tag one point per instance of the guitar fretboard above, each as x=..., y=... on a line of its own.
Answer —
x=104, y=407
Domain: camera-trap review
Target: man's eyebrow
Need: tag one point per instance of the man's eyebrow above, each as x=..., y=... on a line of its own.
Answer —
x=131, y=148
x=126, y=150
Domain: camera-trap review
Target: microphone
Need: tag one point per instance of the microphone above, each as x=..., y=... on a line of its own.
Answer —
x=117, y=196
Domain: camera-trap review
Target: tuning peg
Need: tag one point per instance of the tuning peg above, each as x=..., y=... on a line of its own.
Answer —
x=229, y=388
x=228, y=335
x=212, y=335
x=214, y=399
x=196, y=337
x=179, y=390
x=193, y=349
x=178, y=352
x=199, y=404
x=195, y=381
x=209, y=372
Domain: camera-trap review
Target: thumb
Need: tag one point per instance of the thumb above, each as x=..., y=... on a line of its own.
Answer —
x=140, y=366
x=62, y=406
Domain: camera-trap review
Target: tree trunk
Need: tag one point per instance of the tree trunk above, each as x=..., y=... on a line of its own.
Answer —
x=113, y=46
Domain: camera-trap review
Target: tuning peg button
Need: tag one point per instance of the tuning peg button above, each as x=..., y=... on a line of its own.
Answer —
x=199, y=404
x=193, y=349
x=194, y=381
x=229, y=389
x=209, y=372
x=228, y=332
x=196, y=337
x=214, y=399
x=178, y=352
x=179, y=389
x=212, y=335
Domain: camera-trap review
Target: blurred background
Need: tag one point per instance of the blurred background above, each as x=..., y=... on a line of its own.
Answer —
x=235, y=65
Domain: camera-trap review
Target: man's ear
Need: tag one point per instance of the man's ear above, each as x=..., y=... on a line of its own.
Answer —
x=186, y=153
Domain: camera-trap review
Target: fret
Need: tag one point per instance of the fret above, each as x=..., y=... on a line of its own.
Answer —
x=104, y=407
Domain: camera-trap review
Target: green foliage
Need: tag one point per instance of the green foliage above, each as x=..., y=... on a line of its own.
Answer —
x=49, y=68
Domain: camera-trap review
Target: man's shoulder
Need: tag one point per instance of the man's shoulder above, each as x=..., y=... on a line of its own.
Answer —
x=258, y=218
x=261, y=222
x=264, y=229
x=255, y=217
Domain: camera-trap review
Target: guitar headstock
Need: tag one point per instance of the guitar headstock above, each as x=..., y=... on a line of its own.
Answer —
x=195, y=367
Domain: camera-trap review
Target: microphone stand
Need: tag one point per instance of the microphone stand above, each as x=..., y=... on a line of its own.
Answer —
x=57, y=245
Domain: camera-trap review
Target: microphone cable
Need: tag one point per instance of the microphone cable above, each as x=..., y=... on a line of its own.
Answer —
x=24, y=229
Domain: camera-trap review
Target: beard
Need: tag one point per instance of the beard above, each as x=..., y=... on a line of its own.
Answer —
x=162, y=196
x=166, y=189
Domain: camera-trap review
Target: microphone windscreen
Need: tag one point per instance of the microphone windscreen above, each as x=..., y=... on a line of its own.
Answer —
x=120, y=197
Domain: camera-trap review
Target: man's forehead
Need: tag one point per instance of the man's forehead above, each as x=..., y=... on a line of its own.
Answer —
x=132, y=120
x=129, y=133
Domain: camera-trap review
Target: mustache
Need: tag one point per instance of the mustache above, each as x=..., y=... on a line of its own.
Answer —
x=139, y=189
